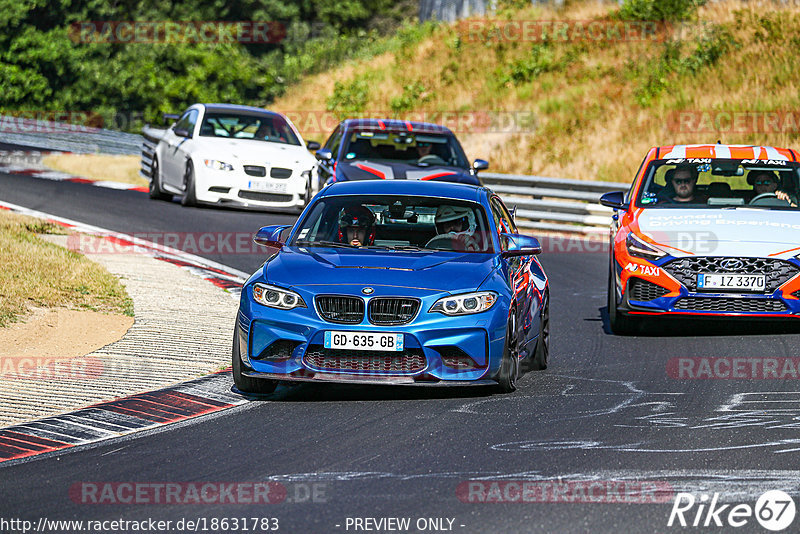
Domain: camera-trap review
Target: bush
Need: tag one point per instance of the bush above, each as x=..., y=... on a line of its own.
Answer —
x=659, y=10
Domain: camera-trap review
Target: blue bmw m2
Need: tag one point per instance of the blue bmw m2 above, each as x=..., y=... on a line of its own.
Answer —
x=395, y=282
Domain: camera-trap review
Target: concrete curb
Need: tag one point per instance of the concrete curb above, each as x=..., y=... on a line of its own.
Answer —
x=182, y=329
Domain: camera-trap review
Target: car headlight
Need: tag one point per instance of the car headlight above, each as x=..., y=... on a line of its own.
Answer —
x=465, y=304
x=218, y=165
x=640, y=249
x=276, y=297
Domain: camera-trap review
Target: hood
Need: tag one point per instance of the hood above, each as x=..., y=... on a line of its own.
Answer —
x=428, y=271
x=723, y=232
x=371, y=170
x=246, y=151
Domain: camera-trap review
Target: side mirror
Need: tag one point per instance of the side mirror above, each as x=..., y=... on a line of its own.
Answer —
x=480, y=165
x=312, y=145
x=181, y=132
x=521, y=245
x=270, y=236
x=615, y=199
x=324, y=154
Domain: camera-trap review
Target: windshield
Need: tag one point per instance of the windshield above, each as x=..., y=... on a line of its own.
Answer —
x=268, y=127
x=720, y=183
x=396, y=222
x=405, y=147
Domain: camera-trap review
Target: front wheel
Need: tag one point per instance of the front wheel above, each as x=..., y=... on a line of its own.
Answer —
x=542, y=353
x=509, y=366
x=189, y=194
x=620, y=324
x=245, y=384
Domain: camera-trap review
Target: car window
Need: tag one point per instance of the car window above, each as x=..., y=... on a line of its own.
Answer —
x=720, y=183
x=396, y=221
x=334, y=141
x=423, y=149
x=503, y=221
x=187, y=121
x=269, y=127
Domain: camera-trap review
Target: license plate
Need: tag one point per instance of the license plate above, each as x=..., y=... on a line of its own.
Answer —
x=272, y=187
x=364, y=341
x=732, y=282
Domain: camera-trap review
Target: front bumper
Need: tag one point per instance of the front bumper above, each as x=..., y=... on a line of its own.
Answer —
x=438, y=350
x=642, y=279
x=235, y=188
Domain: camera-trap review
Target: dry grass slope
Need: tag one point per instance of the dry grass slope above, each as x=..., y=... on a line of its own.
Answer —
x=34, y=272
x=599, y=105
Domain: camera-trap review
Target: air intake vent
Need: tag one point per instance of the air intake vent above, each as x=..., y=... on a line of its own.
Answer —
x=265, y=197
x=730, y=305
x=373, y=362
x=340, y=309
x=777, y=272
x=643, y=290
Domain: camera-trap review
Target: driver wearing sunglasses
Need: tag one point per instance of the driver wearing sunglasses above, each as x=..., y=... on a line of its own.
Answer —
x=765, y=182
x=683, y=180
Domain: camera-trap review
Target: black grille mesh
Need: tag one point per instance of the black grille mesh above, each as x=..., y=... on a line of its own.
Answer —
x=392, y=311
x=685, y=270
x=731, y=305
x=456, y=358
x=643, y=290
x=278, y=172
x=265, y=197
x=255, y=170
x=406, y=362
x=340, y=309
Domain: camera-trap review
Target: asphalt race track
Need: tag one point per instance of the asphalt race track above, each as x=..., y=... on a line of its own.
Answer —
x=607, y=411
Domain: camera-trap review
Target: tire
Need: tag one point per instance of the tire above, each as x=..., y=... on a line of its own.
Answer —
x=155, y=182
x=509, y=366
x=189, y=194
x=245, y=384
x=542, y=353
x=621, y=325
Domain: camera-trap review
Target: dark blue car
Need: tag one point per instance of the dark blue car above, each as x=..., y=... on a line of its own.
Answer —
x=395, y=282
x=389, y=149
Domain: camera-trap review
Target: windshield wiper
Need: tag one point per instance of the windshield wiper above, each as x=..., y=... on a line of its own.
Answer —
x=302, y=242
x=410, y=247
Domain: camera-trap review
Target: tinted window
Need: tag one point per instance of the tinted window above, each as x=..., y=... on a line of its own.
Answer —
x=396, y=221
x=268, y=127
x=405, y=147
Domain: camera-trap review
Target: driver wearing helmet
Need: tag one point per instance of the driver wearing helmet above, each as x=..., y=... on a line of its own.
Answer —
x=453, y=222
x=357, y=226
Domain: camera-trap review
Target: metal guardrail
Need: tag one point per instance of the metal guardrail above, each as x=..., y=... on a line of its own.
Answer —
x=555, y=204
x=58, y=136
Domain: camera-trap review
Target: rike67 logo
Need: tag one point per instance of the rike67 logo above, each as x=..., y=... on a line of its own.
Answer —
x=774, y=510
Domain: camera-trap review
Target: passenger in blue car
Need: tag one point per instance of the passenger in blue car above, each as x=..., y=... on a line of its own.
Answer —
x=357, y=226
x=454, y=230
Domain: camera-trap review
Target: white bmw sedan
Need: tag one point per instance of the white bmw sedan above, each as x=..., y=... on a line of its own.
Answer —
x=232, y=155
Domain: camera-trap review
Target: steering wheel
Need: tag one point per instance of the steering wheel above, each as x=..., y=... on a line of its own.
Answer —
x=458, y=242
x=431, y=159
x=766, y=198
